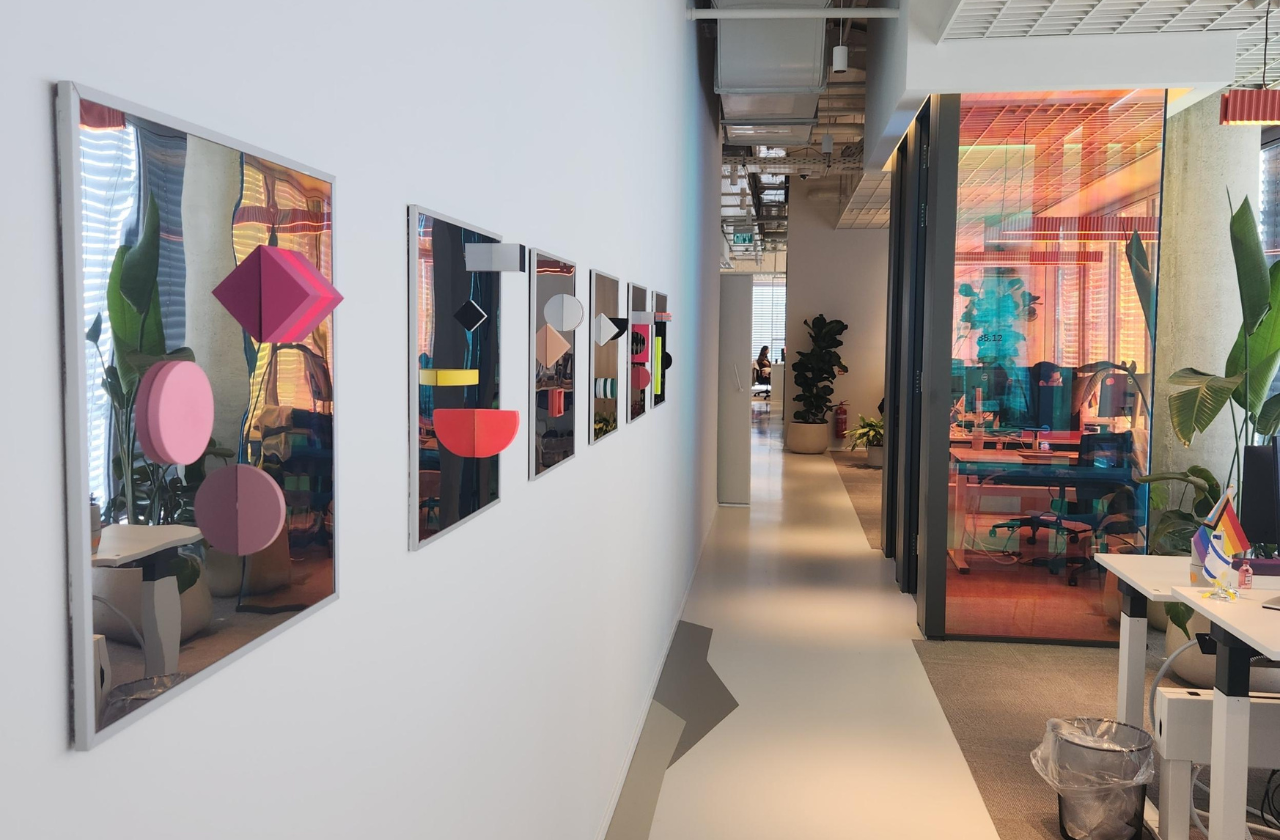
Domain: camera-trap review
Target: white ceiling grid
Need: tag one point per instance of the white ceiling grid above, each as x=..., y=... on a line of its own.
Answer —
x=1030, y=18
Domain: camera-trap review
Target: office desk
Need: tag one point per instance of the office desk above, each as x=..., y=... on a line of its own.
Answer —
x=154, y=548
x=1240, y=628
x=1144, y=578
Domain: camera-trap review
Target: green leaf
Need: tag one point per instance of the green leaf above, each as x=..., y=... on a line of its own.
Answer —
x=1143, y=283
x=1252, y=274
x=1198, y=483
x=95, y=330
x=1269, y=417
x=1261, y=374
x=187, y=572
x=142, y=263
x=142, y=362
x=1192, y=410
x=1266, y=339
x=129, y=330
x=1179, y=616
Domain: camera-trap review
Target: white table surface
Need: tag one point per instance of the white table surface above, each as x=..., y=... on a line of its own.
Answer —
x=1153, y=575
x=124, y=543
x=1243, y=618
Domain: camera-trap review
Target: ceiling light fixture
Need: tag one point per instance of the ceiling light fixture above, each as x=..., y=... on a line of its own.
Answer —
x=1253, y=106
x=828, y=144
x=840, y=59
x=733, y=176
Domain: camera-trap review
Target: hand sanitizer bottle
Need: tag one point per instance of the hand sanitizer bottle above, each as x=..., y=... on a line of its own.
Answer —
x=1246, y=575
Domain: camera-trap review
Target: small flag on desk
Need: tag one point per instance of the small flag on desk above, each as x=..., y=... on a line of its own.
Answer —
x=1223, y=520
x=1207, y=547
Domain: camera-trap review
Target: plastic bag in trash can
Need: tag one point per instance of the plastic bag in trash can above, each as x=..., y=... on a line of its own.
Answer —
x=1099, y=768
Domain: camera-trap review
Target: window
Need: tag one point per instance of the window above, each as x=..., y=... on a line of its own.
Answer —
x=768, y=315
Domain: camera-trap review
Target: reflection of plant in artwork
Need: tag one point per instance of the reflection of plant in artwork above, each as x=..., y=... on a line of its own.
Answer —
x=605, y=423
x=994, y=313
x=148, y=494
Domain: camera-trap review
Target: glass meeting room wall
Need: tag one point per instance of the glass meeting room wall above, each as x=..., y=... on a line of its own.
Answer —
x=1051, y=356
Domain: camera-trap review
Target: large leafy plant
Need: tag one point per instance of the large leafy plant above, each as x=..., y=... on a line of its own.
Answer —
x=149, y=493
x=1253, y=362
x=869, y=432
x=995, y=311
x=816, y=368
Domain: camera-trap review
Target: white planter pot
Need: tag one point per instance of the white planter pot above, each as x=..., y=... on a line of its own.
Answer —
x=875, y=456
x=122, y=588
x=808, y=438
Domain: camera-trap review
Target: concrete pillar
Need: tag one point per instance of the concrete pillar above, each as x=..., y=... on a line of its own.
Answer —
x=1198, y=309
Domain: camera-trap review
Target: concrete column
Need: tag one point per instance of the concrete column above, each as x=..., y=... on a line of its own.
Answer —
x=1198, y=309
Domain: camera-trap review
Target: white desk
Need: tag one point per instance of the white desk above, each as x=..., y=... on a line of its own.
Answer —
x=151, y=547
x=123, y=544
x=1144, y=578
x=1240, y=628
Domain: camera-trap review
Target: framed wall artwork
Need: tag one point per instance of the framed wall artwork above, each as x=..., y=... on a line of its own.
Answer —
x=456, y=425
x=661, y=356
x=199, y=406
x=554, y=315
x=608, y=330
x=639, y=377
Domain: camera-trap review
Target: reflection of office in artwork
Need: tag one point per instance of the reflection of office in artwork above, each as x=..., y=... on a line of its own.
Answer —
x=454, y=376
x=555, y=314
x=199, y=293
x=608, y=327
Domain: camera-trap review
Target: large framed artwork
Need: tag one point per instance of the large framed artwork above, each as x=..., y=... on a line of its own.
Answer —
x=640, y=340
x=199, y=403
x=457, y=427
x=554, y=315
x=661, y=355
x=608, y=334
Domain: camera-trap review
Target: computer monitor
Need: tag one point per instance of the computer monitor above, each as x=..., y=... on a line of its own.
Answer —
x=1260, y=496
x=1117, y=395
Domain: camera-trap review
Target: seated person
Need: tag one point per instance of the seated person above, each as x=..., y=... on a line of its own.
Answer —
x=762, y=367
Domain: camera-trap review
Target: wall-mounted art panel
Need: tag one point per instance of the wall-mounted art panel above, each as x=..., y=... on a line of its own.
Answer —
x=554, y=315
x=661, y=354
x=456, y=424
x=199, y=349
x=640, y=340
x=608, y=339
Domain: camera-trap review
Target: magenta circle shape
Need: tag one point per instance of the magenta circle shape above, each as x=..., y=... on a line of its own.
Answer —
x=240, y=509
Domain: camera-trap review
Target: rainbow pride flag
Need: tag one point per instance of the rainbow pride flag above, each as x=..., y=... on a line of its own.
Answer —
x=1223, y=520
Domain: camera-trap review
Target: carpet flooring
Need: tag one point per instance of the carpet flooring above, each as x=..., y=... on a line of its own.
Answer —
x=862, y=483
x=997, y=698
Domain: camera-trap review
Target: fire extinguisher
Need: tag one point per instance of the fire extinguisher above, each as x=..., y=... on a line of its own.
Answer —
x=842, y=419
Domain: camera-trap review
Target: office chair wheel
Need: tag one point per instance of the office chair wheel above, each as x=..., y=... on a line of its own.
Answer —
x=1031, y=540
x=1075, y=538
x=992, y=533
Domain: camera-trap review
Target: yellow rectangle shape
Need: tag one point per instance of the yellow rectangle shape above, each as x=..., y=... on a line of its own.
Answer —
x=444, y=377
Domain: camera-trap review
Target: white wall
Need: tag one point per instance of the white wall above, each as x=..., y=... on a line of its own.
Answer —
x=490, y=685
x=841, y=274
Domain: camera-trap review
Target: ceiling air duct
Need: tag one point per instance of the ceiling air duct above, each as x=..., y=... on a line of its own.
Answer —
x=769, y=74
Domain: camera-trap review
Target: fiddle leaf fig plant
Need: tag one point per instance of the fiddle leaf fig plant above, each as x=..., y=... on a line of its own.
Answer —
x=814, y=370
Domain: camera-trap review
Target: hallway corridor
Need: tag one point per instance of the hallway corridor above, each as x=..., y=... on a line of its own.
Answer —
x=837, y=733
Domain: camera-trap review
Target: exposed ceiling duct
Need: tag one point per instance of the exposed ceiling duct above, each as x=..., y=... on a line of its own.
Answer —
x=785, y=112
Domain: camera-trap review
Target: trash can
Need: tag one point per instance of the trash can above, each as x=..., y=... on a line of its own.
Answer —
x=1099, y=769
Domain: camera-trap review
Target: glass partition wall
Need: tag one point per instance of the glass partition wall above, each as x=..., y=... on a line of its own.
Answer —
x=1051, y=356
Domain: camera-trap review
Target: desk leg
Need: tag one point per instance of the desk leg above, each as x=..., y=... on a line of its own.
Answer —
x=959, y=520
x=1131, y=690
x=1175, y=800
x=1229, y=754
x=161, y=620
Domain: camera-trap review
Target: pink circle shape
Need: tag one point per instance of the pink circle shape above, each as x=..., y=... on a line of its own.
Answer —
x=240, y=509
x=174, y=415
x=640, y=377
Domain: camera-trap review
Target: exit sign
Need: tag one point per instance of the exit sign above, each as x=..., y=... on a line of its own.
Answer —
x=743, y=239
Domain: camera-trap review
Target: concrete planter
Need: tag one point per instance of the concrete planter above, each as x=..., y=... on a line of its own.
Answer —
x=808, y=438
x=875, y=456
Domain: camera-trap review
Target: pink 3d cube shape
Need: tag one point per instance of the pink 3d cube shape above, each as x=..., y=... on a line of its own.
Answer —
x=277, y=295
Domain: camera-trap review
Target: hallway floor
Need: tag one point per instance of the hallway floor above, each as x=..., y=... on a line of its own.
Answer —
x=837, y=732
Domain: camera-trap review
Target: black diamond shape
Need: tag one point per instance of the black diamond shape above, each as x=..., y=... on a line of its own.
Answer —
x=620, y=324
x=470, y=316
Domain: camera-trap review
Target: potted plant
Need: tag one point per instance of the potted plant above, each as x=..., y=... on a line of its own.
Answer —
x=814, y=370
x=868, y=433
